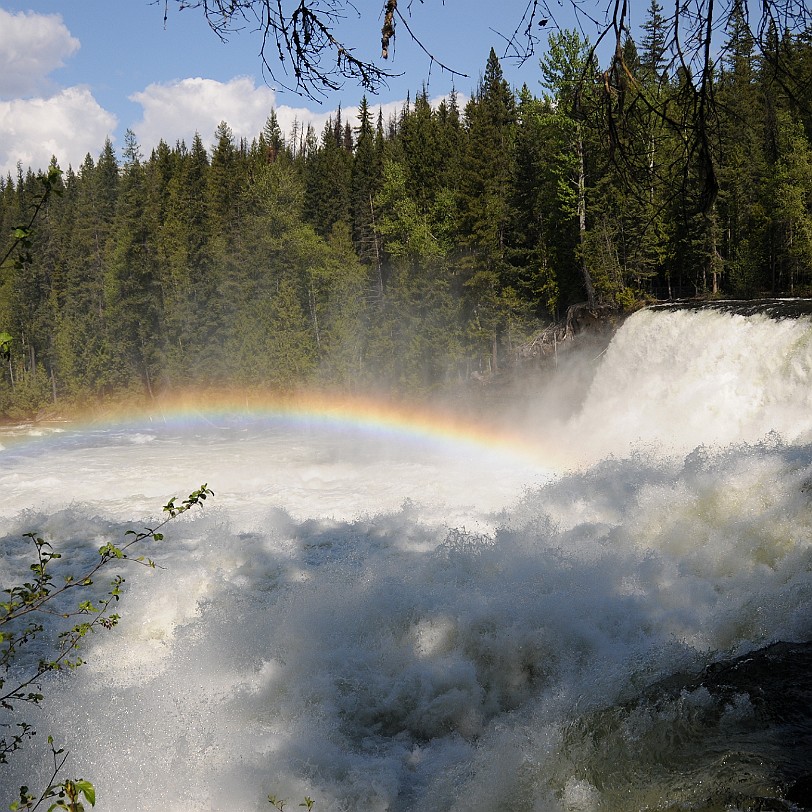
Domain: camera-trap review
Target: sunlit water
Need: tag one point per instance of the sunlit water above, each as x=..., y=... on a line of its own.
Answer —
x=395, y=623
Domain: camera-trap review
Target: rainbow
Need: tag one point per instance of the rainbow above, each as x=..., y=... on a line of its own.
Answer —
x=378, y=417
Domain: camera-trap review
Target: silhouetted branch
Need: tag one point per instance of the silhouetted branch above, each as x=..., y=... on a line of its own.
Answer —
x=300, y=37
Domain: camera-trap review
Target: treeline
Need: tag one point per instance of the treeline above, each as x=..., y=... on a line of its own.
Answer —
x=412, y=252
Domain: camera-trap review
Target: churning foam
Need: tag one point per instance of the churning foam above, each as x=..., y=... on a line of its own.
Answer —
x=315, y=632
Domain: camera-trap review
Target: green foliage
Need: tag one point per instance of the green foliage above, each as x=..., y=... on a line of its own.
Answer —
x=410, y=251
x=280, y=804
x=48, y=593
x=793, y=203
x=24, y=305
x=23, y=234
x=5, y=346
x=68, y=793
x=408, y=233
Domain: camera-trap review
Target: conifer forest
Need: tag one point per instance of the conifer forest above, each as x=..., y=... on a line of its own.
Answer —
x=408, y=253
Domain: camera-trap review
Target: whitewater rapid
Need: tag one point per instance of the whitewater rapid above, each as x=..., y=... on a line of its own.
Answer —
x=408, y=624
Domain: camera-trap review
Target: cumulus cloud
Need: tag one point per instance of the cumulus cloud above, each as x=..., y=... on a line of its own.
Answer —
x=175, y=111
x=38, y=121
x=68, y=125
x=31, y=46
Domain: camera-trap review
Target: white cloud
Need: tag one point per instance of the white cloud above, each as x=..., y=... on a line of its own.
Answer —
x=68, y=125
x=31, y=46
x=177, y=110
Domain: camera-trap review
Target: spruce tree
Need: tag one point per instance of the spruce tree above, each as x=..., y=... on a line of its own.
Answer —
x=486, y=172
x=792, y=207
x=190, y=278
x=81, y=346
x=365, y=180
x=328, y=177
x=743, y=168
x=563, y=67
x=272, y=138
x=132, y=303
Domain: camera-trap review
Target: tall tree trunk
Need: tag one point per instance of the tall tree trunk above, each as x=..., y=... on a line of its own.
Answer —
x=590, y=288
x=377, y=248
x=313, y=314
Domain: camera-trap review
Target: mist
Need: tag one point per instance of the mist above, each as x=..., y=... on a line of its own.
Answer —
x=385, y=614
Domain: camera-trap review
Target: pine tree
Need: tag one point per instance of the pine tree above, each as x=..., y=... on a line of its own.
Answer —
x=652, y=51
x=83, y=355
x=485, y=178
x=224, y=181
x=276, y=329
x=272, y=137
x=132, y=312
x=328, y=177
x=792, y=206
x=365, y=180
x=338, y=285
x=418, y=329
x=190, y=277
x=743, y=166
x=27, y=304
x=533, y=233
x=566, y=62
x=423, y=159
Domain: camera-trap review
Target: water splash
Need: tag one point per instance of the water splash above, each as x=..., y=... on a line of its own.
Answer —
x=392, y=625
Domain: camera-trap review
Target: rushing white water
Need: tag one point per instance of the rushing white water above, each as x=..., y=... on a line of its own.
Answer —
x=416, y=626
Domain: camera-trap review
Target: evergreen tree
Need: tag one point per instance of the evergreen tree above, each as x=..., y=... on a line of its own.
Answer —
x=83, y=357
x=792, y=207
x=534, y=235
x=132, y=303
x=272, y=137
x=418, y=330
x=27, y=307
x=339, y=284
x=328, y=176
x=743, y=166
x=486, y=172
x=190, y=276
x=365, y=180
x=275, y=332
x=652, y=51
x=422, y=152
x=562, y=69
x=224, y=182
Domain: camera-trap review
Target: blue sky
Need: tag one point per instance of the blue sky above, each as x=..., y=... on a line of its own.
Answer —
x=77, y=71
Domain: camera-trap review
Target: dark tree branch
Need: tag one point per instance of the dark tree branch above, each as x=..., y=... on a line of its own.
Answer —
x=300, y=38
x=432, y=59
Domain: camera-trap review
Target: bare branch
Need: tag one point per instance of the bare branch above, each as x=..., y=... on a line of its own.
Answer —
x=300, y=38
x=433, y=59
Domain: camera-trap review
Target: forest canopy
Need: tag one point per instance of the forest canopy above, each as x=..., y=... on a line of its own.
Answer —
x=415, y=252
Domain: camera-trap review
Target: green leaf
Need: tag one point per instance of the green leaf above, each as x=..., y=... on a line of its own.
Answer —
x=87, y=789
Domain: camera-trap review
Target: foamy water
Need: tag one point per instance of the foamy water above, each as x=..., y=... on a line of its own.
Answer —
x=405, y=622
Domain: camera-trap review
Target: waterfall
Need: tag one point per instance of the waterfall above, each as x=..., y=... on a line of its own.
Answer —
x=382, y=613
